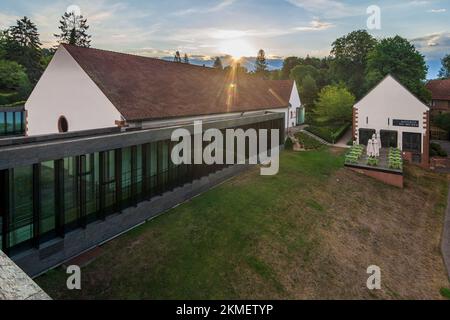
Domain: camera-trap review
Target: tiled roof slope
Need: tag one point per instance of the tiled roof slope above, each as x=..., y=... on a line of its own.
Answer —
x=440, y=89
x=143, y=88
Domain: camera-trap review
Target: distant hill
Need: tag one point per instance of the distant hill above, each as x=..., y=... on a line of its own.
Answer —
x=248, y=62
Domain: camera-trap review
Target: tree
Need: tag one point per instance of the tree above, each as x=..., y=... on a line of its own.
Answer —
x=335, y=104
x=308, y=90
x=3, y=43
x=25, y=34
x=186, y=58
x=350, y=54
x=218, y=63
x=177, y=57
x=300, y=72
x=261, y=63
x=288, y=64
x=444, y=73
x=22, y=45
x=74, y=30
x=398, y=57
x=13, y=78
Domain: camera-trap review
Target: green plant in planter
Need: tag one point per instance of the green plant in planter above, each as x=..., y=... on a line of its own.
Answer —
x=372, y=162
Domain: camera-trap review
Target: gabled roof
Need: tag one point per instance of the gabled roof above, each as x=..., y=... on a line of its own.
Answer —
x=396, y=82
x=143, y=88
x=440, y=89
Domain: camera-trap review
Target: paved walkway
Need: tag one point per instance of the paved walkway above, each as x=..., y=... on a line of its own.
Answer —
x=446, y=237
x=342, y=143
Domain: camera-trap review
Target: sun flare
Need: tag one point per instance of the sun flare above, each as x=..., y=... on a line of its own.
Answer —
x=237, y=48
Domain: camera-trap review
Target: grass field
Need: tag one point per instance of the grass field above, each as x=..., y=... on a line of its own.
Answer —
x=309, y=232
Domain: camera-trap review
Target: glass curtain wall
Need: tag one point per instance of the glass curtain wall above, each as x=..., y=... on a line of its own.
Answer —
x=12, y=123
x=46, y=200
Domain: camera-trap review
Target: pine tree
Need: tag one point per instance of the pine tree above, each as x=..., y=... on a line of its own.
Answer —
x=177, y=57
x=218, y=63
x=261, y=63
x=186, y=58
x=22, y=45
x=74, y=30
x=25, y=34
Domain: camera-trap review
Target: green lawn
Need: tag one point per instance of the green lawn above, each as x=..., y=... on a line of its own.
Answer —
x=304, y=233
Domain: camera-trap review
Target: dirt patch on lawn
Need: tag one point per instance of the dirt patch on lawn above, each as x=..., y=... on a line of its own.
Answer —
x=397, y=230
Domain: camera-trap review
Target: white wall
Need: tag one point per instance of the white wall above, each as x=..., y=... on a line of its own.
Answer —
x=66, y=90
x=390, y=100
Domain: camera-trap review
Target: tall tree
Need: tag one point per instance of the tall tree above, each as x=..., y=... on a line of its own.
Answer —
x=288, y=64
x=350, y=54
x=308, y=90
x=261, y=63
x=444, y=73
x=186, y=58
x=398, y=57
x=3, y=43
x=301, y=71
x=335, y=104
x=177, y=57
x=22, y=45
x=74, y=30
x=218, y=63
x=13, y=77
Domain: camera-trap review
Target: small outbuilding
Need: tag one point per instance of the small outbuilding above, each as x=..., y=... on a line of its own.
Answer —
x=397, y=117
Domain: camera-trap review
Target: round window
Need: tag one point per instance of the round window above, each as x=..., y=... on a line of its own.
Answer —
x=63, y=125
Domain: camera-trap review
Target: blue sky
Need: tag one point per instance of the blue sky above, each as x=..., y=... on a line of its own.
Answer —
x=239, y=27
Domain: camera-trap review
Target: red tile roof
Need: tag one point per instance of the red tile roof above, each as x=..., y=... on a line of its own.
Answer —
x=440, y=89
x=148, y=88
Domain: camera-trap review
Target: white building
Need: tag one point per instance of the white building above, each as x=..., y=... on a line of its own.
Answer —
x=85, y=89
x=397, y=116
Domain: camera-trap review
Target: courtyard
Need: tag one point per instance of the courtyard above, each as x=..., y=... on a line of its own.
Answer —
x=309, y=232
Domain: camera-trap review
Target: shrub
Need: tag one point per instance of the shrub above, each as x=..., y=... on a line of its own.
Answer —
x=437, y=151
x=288, y=145
x=308, y=142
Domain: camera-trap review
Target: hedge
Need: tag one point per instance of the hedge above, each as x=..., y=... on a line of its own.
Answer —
x=15, y=104
x=329, y=133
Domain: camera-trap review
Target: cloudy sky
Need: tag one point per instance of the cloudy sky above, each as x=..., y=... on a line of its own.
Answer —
x=239, y=27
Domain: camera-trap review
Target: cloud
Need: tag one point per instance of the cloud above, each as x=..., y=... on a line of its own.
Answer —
x=434, y=45
x=329, y=8
x=437, y=10
x=220, y=6
x=316, y=25
x=7, y=20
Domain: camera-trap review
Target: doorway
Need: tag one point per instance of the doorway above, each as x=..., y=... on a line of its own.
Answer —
x=365, y=135
x=389, y=138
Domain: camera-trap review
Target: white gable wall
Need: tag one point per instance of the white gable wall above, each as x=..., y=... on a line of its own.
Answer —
x=290, y=114
x=389, y=101
x=66, y=90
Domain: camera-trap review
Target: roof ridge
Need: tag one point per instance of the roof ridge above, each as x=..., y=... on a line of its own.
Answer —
x=65, y=45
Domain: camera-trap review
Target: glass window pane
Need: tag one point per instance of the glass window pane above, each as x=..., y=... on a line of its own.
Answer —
x=2, y=123
x=110, y=181
x=139, y=170
x=48, y=213
x=18, y=122
x=10, y=122
x=126, y=174
x=91, y=176
x=70, y=192
x=21, y=210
